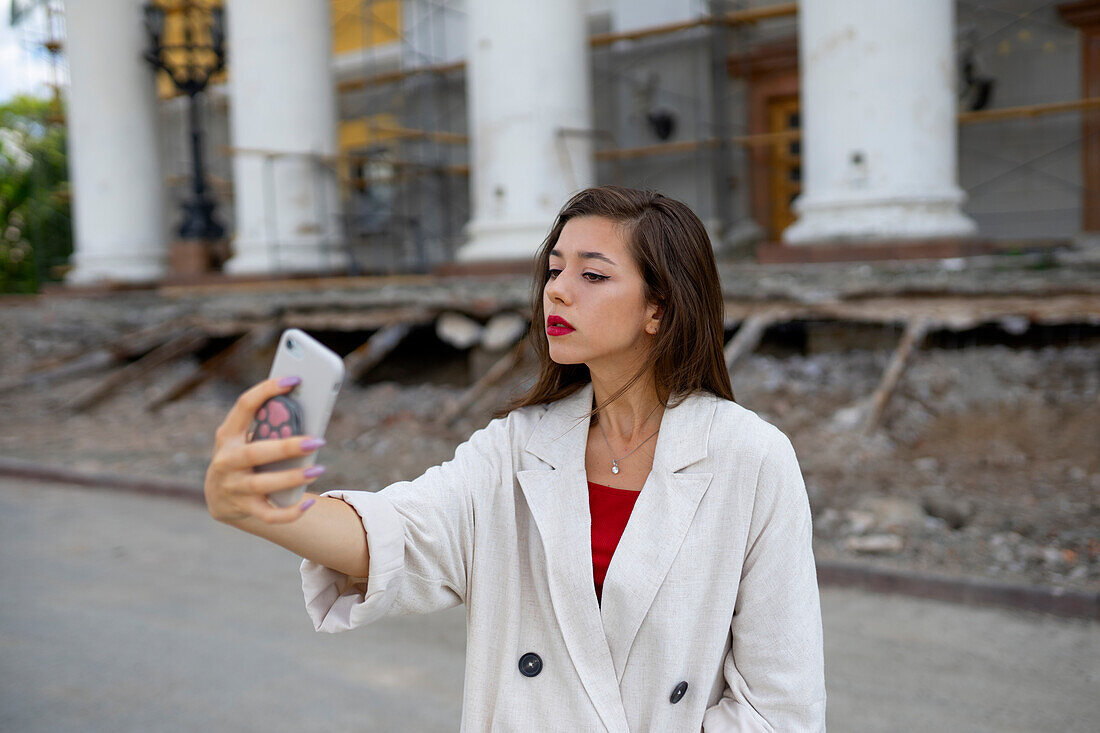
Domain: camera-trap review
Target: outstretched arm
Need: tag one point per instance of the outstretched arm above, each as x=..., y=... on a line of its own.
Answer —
x=329, y=533
x=421, y=538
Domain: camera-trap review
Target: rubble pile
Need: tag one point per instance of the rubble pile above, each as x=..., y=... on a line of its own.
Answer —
x=986, y=462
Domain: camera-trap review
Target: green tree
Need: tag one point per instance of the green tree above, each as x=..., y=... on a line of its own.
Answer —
x=35, y=223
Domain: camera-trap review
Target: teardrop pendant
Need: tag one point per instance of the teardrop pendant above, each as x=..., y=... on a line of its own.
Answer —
x=614, y=467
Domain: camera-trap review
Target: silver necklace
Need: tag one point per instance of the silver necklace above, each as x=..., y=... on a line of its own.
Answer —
x=614, y=460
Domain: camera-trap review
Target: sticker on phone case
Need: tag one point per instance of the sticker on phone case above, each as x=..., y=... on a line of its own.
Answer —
x=280, y=417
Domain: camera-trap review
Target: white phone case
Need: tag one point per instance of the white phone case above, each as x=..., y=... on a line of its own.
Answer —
x=322, y=373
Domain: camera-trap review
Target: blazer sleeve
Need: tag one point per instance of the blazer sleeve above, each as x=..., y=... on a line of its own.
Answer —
x=419, y=536
x=775, y=668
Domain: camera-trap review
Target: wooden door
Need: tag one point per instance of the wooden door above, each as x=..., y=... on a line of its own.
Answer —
x=784, y=162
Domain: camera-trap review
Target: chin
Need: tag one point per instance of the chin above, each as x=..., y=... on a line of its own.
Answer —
x=563, y=357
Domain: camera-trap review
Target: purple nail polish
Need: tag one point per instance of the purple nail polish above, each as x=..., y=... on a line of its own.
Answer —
x=308, y=503
x=289, y=381
x=312, y=443
x=313, y=471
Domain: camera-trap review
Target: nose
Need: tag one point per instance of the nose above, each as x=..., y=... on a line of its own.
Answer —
x=557, y=291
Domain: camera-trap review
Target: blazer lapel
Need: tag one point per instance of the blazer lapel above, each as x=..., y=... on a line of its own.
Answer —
x=558, y=500
x=658, y=524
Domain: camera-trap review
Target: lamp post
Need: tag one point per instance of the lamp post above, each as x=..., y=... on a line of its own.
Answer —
x=200, y=232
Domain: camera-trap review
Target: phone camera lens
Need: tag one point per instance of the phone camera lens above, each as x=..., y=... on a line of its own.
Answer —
x=290, y=344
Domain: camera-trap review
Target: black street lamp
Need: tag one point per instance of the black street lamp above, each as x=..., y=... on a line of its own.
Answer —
x=201, y=60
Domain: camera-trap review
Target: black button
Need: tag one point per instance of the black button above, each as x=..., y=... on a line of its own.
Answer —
x=678, y=693
x=530, y=664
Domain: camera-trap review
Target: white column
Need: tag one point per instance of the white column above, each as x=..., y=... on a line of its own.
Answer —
x=530, y=114
x=120, y=229
x=878, y=122
x=282, y=118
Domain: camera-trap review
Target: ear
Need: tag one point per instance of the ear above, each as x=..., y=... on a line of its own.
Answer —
x=654, y=320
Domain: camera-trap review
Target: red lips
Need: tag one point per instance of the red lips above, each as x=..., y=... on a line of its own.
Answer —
x=558, y=326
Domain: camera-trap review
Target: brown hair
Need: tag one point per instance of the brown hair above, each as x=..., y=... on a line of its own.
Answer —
x=671, y=248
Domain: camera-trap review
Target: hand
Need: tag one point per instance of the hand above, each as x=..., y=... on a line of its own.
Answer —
x=233, y=491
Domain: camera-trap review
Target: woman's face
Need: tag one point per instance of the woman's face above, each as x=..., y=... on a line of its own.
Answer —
x=596, y=287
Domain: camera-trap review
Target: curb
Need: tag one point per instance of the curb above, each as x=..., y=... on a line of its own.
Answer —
x=967, y=591
x=18, y=468
x=964, y=591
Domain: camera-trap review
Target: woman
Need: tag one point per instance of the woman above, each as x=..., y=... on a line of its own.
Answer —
x=704, y=613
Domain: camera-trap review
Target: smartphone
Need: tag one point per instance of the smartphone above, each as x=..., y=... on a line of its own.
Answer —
x=306, y=409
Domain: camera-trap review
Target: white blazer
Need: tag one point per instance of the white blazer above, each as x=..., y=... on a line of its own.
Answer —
x=713, y=583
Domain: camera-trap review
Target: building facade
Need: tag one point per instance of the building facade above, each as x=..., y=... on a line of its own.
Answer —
x=400, y=135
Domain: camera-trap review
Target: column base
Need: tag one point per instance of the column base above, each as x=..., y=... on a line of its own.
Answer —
x=504, y=241
x=862, y=220
x=261, y=258
x=902, y=249
x=137, y=268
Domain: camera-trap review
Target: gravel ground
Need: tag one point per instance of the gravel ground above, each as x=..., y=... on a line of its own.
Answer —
x=985, y=464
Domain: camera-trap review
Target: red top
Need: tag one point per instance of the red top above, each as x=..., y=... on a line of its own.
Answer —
x=610, y=509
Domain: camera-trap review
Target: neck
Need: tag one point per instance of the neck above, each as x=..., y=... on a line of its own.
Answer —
x=634, y=415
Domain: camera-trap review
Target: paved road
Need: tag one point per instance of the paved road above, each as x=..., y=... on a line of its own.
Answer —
x=122, y=612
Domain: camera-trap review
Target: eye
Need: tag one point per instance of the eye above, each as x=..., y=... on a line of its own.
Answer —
x=591, y=276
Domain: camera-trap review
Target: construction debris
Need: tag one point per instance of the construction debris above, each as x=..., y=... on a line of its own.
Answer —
x=981, y=461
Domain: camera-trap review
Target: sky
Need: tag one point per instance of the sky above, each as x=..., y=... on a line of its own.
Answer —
x=22, y=68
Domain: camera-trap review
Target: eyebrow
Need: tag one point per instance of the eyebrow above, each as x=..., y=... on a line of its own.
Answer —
x=585, y=256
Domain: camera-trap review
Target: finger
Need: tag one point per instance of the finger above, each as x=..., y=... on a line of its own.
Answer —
x=269, y=481
x=260, y=452
x=241, y=415
x=263, y=510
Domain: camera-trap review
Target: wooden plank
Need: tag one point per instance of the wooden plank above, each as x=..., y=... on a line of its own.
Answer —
x=1029, y=110
x=406, y=133
x=684, y=146
x=139, y=342
x=51, y=363
x=375, y=349
x=185, y=343
x=390, y=77
x=502, y=367
x=963, y=118
x=606, y=39
x=97, y=357
x=747, y=337
x=948, y=311
x=732, y=18
x=265, y=284
x=367, y=319
x=94, y=360
x=257, y=337
x=754, y=15
x=915, y=331
x=228, y=327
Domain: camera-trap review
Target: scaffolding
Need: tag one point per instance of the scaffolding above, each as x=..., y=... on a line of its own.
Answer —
x=40, y=26
x=403, y=162
x=677, y=75
x=405, y=187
